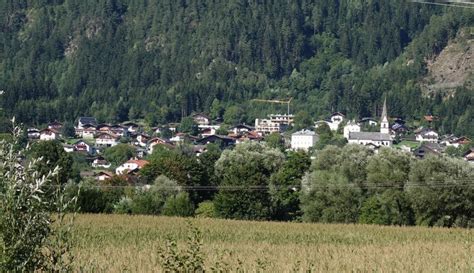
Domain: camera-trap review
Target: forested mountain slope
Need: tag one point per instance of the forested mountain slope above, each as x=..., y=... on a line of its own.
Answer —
x=160, y=60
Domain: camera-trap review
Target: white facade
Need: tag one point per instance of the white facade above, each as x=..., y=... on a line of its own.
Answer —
x=266, y=126
x=48, y=134
x=105, y=139
x=427, y=136
x=130, y=165
x=282, y=119
x=351, y=127
x=303, y=140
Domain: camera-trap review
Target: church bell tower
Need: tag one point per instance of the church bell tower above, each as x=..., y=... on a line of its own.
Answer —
x=384, y=126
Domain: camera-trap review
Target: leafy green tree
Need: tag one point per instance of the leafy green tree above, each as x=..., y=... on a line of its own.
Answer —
x=275, y=141
x=245, y=175
x=392, y=207
x=217, y=109
x=303, y=120
x=329, y=197
x=440, y=192
x=68, y=130
x=233, y=115
x=34, y=235
x=388, y=169
x=188, y=125
x=179, y=205
x=52, y=154
x=119, y=154
x=285, y=186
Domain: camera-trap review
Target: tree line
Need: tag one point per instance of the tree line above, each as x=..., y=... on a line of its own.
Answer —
x=121, y=60
x=256, y=181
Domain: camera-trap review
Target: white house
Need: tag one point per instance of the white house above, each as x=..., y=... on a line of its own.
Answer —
x=106, y=139
x=142, y=140
x=100, y=162
x=49, y=134
x=82, y=146
x=427, y=135
x=158, y=141
x=83, y=121
x=335, y=119
x=374, y=139
x=132, y=164
x=303, y=140
x=201, y=119
x=351, y=127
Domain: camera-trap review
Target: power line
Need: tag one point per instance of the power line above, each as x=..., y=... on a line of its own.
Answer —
x=448, y=4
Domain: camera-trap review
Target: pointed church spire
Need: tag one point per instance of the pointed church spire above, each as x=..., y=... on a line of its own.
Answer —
x=384, y=126
x=384, y=111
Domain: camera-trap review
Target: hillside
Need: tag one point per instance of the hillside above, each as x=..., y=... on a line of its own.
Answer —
x=453, y=67
x=161, y=60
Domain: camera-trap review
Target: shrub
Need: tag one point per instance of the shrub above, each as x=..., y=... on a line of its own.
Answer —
x=389, y=208
x=31, y=238
x=205, y=210
x=179, y=205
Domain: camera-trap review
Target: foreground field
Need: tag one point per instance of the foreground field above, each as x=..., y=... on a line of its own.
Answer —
x=116, y=243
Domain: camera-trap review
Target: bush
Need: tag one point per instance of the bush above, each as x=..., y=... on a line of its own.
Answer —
x=205, y=210
x=147, y=202
x=179, y=205
x=389, y=208
x=124, y=206
x=31, y=238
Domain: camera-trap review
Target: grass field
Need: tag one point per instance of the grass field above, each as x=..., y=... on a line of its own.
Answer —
x=119, y=243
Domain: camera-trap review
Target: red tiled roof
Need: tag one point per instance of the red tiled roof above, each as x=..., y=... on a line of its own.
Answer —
x=141, y=163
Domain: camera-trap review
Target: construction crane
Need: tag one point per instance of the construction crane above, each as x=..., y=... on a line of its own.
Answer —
x=287, y=102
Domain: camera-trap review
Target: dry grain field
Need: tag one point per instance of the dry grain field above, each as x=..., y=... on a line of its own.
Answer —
x=121, y=243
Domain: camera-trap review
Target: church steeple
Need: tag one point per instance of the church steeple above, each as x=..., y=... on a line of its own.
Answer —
x=384, y=126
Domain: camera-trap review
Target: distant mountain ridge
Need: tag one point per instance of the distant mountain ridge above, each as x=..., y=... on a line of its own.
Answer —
x=161, y=60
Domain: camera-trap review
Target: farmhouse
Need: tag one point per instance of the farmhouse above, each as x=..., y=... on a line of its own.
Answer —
x=223, y=141
x=427, y=135
x=101, y=162
x=469, y=156
x=48, y=134
x=333, y=122
x=132, y=164
x=158, y=141
x=82, y=146
x=303, y=140
x=351, y=127
x=106, y=140
x=55, y=125
x=201, y=119
x=86, y=120
x=103, y=175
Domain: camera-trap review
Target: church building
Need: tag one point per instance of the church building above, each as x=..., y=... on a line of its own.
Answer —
x=376, y=139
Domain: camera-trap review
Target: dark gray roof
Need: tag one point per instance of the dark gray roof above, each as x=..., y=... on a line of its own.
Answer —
x=88, y=120
x=375, y=136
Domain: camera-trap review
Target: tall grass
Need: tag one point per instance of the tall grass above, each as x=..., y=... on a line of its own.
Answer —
x=117, y=243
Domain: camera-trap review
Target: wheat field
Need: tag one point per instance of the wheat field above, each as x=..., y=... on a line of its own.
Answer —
x=122, y=243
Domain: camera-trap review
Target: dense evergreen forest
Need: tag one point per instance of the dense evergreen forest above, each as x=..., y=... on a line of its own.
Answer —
x=161, y=60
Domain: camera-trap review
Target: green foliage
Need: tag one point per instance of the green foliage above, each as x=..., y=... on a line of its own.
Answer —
x=275, y=141
x=245, y=173
x=119, y=154
x=68, y=130
x=31, y=237
x=179, y=205
x=189, y=259
x=233, y=115
x=205, y=209
x=284, y=186
x=303, y=120
x=188, y=125
x=392, y=207
x=441, y=192
x=52, y=154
